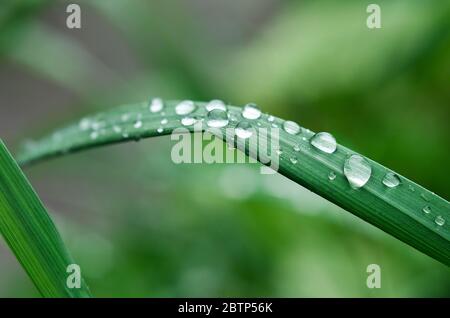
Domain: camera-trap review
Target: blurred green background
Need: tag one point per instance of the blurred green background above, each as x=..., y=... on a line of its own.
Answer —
x=140, y=225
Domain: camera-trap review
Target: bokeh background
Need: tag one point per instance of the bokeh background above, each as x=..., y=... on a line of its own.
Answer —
x=140, y=225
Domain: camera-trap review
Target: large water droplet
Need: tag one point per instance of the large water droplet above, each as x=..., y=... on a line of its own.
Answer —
x=331, y=176
x=439, y=220
x=426, y=209
x=391, y=180
x=217, y=118
x=357, y=170
x=188, y=121
x=291, y=127
x=244, y=130
x=156, y=105
x=185, y=107
x=324, y=142
x=216, y=104
x=251, y=111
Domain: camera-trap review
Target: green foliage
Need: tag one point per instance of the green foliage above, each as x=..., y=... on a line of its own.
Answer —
x=31, y=234
x=398, y=211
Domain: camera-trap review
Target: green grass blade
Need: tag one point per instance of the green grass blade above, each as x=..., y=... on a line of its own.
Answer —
x=397, y=211
x=31, y=234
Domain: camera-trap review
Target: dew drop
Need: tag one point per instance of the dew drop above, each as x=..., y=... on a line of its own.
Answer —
x=296, y=148
x=185, y=107
x=94, y=135
x=426, y=209
x=357, y=170
x=293, y=160
x=324, y=142
x=125, y=135
x=425, y=197
x=411, y=188
x=291, y=127
x=251, y=111
x=216, y=104
x=217, y=118
x=439, y=220
x=160, y=130
x=125, y=117
x=244, y=130
x=188, y=121
x=391, y=180
x=164, y=121
x=117, y=129
x=270, y=118
x=274, y=125
x=85, y=123
x=279, y=152
x=331, y=176
x=138, y=124
x=156, y=105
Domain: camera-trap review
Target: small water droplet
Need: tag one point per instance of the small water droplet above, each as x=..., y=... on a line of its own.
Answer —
x=244, y=130
x=85, y=123
x=125, y=135
x=425, y=197
x=125, y=117
x=331, y=176
x=156, y=105
x=324, y=142
x=216, y=104
x=188, y=121
x=296, y=148
x=270, y=118
x=291, y=127
x=217, y=118
x=160, y=130
x=293, y=160
x=94, y=135
x=357, y=170
x=96, y=125
x=426, y=209
x=251, y=111
x=164, y=121
x=279, y=152
x=185, y=107
x=138, y=124
x=117, y=129
x=439, y=220
x=274, y=125
x=411, y=188
x=391, y=180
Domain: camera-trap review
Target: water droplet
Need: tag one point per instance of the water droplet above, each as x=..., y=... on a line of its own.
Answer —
x=164, y=121
x=274, y=125
x=391, y=180
x=293, y=160
x=270, y=119
x=216, y=104
x=96, y=125
x=296, y=148
x=426, y=209
x=425, y=197
x=85, y=123
x=324, y=142
x=125, y=135
x=251, y=111
x=291, y=127
x=217, y=118
x=138, y=124
x=117, y=129
x=188, y=121
x=156, y=105
x=125, y=117
x=439, y=220
x=94, y=135
x=160, y=130
x=279, y=152
x=331, y=176
x=244, y=130
x=185, y=107
x=357, y=171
